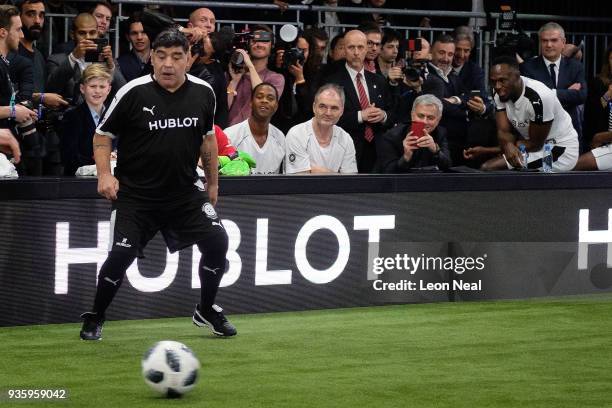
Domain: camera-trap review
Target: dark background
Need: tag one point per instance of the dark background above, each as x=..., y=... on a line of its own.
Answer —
x=454, y=219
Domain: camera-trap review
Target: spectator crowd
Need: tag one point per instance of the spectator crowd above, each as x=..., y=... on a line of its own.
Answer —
x=365, y=100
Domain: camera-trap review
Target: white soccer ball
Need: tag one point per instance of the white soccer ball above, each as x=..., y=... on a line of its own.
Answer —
x=170, y=368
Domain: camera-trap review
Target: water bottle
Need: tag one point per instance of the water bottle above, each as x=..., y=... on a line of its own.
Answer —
x=547, y=159
x=524, y=156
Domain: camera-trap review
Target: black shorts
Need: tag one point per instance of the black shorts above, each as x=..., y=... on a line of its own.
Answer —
x=183, y=221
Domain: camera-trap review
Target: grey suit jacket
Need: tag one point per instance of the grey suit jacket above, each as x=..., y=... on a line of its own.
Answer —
x=64, y=79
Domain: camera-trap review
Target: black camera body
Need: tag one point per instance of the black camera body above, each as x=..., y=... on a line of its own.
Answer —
x=293, y=56
x=415, y=69
x=513, y=44
x=27, y=130
x=288, y=37
x=96, y=55
x=241, y=41
x=197, y=49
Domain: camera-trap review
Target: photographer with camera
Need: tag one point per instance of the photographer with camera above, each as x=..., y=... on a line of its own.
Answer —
x=386, y=62
x=28, y=73
x=13, y=114
x=407, y=76
x=249, y=69
x=207, y=56
x=64, y=71
x=296, y=100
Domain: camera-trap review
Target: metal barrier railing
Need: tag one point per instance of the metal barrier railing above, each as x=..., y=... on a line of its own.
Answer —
x=594, y=43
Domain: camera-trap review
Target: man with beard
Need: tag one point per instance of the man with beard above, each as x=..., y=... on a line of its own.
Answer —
x=27, y=71
x=445, y=84
x=32, y=13
x=11, y=114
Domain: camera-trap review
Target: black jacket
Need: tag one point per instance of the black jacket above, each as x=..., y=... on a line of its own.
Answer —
x=64, y=79
x=570, y=72
x=380, y=95
x=391, y=152
x=77, y=139
x=213, y=74
x=596, y=117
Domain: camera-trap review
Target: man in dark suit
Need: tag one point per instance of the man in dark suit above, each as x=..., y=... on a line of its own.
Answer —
x=470, y=74
x=401, y=150
x=445, y=84
x=557, y=72
x=481, y=130
x=367, y=109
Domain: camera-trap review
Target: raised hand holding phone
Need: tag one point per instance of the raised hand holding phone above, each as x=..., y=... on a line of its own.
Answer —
x=417, y=129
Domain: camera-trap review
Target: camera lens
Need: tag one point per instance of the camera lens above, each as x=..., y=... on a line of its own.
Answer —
x=412, y=74
x=237, y=60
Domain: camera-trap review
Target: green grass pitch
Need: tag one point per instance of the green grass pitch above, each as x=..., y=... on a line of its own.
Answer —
x=535, y=353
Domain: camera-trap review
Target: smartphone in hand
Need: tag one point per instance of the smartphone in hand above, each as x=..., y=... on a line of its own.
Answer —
x=95, y=55
x=417, y=129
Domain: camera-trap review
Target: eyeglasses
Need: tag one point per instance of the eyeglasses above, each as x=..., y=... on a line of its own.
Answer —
x=373, y=44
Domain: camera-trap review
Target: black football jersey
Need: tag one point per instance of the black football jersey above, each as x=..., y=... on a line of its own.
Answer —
x=159, y=134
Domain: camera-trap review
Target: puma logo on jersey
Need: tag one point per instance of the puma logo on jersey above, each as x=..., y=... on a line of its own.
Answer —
x=213, y=270
x=114, y=282
x=150, y=110
x=173, y=123
x=535, y=102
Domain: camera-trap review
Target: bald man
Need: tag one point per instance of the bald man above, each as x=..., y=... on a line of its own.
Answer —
x=207, y=67
x=64, y=71
x=367, y=110
x=203, y=18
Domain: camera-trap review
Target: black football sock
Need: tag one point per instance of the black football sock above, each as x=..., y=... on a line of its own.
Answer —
x=211, y=269
x=110, y=279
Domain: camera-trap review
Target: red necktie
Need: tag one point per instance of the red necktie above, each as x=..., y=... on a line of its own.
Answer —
x=364, y=103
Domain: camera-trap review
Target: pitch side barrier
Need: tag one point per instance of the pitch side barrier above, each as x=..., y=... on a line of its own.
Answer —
x=315, y=242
